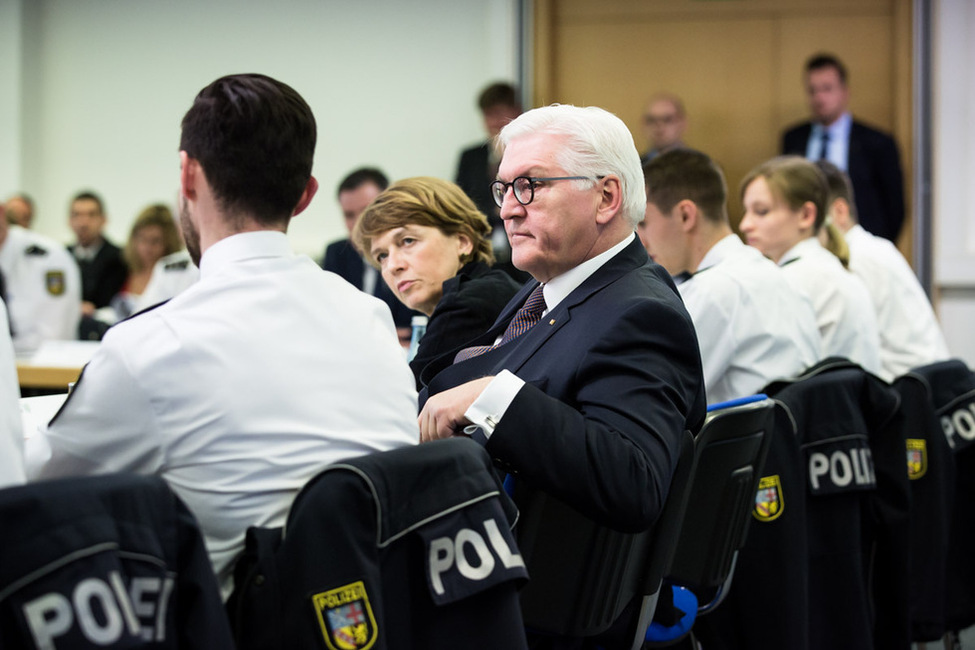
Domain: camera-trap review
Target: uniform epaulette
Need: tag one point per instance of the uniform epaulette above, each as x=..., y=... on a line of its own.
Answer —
x=34, y=249
x=176, y=266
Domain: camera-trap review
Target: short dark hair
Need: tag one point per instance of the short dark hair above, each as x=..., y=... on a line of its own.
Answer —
x=498, y=94
x=681, y=174
x=839, y=185
x=823, y=60
x=88, y=195
x=255, y=139
x=360, y=177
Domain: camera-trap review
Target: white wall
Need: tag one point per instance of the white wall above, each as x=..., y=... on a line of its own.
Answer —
x=105, y=84
x=953, y=44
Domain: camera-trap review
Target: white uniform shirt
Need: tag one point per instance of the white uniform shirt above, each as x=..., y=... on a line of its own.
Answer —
x=910, y=335
x=753, y=328
x=11, y=433
x=844, y=313
x=43, y=289
x=170, y=276
x=239, y=390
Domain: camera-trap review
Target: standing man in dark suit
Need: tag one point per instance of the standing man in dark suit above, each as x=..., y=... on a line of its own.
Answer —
x=103, y=272
x=355, y=193
x=867, y=155
x=597, y=370
x=478, y=167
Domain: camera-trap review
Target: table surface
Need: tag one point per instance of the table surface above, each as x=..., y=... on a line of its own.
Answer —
x=55, y=364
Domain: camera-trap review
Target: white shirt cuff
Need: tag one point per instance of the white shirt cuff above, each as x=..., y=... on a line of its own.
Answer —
x=490, y=406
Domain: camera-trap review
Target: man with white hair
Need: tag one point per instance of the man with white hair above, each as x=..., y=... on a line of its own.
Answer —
x=587, y=379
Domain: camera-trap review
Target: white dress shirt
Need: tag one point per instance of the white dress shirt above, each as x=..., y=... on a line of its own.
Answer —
x=488, y=409
x=11, y=433
x=43, y=289
x=910, y=335
x=844, y=313
x=752, y=327
x=239, y=390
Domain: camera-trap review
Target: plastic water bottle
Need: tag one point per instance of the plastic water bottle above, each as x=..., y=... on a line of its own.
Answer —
x=419, y=325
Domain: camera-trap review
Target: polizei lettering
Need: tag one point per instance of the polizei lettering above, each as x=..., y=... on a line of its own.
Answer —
x=472, y=560
x=959, y=426
x=840, y=466
x=101, y=612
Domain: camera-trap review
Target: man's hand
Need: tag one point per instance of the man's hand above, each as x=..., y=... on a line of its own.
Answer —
x=443, y=414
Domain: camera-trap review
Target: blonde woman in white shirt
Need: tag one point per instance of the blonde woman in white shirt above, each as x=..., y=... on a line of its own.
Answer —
x=785, y=206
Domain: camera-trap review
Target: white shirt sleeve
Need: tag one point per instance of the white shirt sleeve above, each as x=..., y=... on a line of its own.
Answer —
x=11, y=433
x=106, y=425
x=490, y=406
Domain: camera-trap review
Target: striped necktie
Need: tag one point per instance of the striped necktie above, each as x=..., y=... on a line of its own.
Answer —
x=529, y=314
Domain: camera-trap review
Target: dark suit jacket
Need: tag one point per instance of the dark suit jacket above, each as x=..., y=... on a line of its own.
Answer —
x=875, y=170
x=342, y=258
x=471, y=302
x=104, y=276
x=613, y=377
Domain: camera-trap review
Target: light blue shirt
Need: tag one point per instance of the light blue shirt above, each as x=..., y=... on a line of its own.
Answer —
x=838, y=151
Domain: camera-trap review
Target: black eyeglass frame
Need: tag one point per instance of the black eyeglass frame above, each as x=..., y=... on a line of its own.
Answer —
x=499, y=188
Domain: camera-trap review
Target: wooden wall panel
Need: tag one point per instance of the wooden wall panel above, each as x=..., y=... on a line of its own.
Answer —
x=737, y=64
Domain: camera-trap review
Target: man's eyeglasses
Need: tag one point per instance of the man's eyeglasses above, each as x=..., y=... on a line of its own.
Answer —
x=524, y=187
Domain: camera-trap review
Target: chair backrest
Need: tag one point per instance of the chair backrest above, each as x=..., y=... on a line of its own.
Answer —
x=583, y=575
x=730, y=452
x=105, y=562
x=409, y=548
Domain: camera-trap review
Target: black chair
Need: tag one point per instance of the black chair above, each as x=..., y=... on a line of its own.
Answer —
x=409, y=548
x=951, y=385
x=110, y=561
x=731, y=451
x=588, y=580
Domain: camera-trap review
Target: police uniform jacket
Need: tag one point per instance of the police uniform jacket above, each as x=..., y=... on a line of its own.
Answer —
x=110, y=562
x=43, y=288
x=239, y=390
x=751, y=326
x=11, y=429
x=170, y=276
x=842, y=304
x=405, y=549
x=910, y=335
x=952, y=389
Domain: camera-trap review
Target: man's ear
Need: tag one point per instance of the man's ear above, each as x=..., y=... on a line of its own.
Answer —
x=306, y=196
x=611, y=200
x=688, y=214
x=189, y=176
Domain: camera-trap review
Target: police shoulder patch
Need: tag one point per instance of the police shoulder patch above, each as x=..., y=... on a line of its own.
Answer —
x=917, y=458
x=177, y=266
x=769, y=500
x=54, y=282
x=346, y=618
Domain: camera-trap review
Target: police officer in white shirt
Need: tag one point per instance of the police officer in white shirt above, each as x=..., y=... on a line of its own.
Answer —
x=43, y=287
x=170, y=276
x=248, y=383
x=910, y=335
x=785, y=207
x=11, y=432
x=751, y=326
